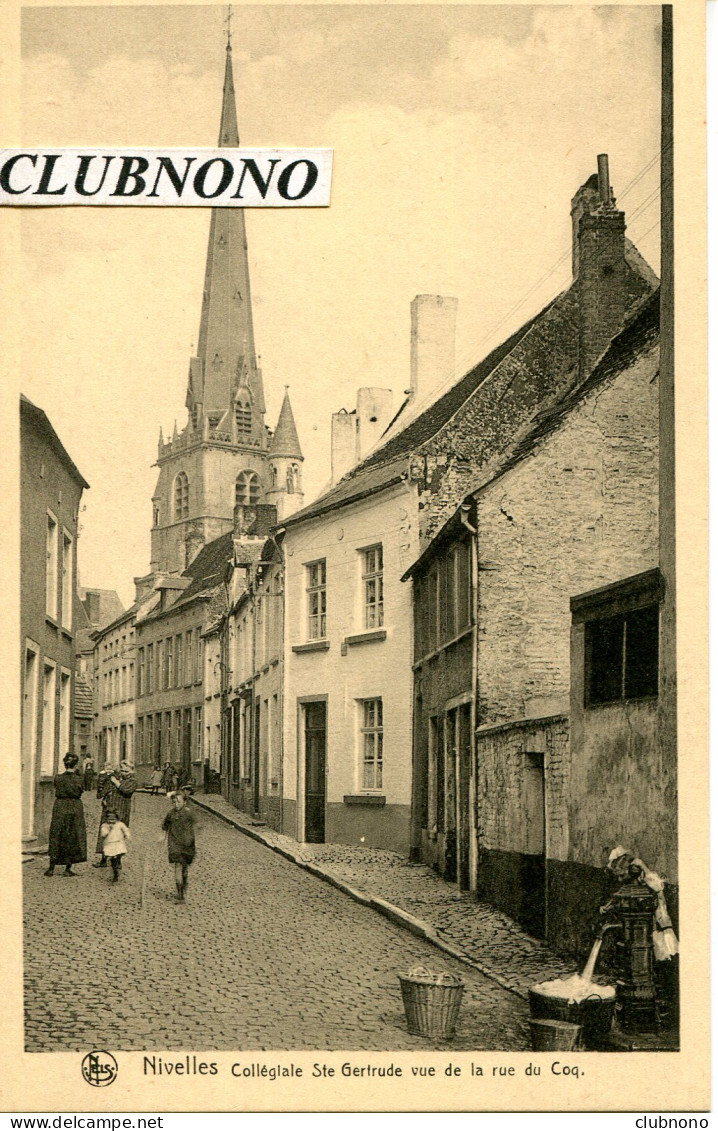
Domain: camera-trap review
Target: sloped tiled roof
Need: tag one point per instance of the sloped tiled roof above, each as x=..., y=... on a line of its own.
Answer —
x=83, y=698
x=636, y=339
x=639, y=336
x=387, y=463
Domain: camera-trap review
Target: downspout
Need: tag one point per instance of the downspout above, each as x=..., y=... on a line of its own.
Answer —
x=473, y=777
x=280, y=712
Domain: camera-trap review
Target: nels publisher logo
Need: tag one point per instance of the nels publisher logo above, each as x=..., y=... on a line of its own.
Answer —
x=99, y=1068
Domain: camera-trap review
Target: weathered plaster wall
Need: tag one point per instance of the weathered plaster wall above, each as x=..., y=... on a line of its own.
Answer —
x=580, y=512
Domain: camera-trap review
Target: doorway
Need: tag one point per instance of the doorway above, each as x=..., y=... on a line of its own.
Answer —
x=29, y=741
x=533, y=880
x=315, y=761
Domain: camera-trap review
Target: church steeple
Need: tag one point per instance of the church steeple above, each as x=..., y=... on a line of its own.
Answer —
x=221, y=458
x=226, y=355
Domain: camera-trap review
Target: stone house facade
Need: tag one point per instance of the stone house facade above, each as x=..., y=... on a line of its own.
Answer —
x=50, y=493
x=432, y=458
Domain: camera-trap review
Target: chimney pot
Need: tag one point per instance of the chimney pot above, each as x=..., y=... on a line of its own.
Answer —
x=604, y=186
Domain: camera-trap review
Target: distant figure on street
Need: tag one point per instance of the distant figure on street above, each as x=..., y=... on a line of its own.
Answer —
x=173, y=779
x=179, y=826
x=167, y=777
x=156, y=780
x=117, y=797
x=88, y=772
x=68, y=835
x=115, y=842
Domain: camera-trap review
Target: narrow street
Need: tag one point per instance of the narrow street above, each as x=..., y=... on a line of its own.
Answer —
x=262, y=955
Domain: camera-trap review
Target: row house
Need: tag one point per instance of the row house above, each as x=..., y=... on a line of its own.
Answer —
x=561, y=754
x=169, y=693
x=349, y=682
x=252, y=667
x=50, y=493
x=94, y=609
x=115, y=657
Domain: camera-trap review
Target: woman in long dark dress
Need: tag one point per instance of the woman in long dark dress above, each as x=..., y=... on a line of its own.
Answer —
x=68, y=835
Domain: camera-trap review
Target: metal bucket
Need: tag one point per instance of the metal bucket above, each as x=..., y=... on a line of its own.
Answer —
x=562, y=1036
x=593, y=1014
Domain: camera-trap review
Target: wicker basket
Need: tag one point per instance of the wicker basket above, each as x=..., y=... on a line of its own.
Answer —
x=431, y=1004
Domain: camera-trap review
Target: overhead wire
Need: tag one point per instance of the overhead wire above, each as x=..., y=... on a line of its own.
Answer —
x=468, y=360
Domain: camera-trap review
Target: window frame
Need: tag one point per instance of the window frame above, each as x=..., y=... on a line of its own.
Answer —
x=368, y=576
x=316, y=619
x=181, y=497
x=66, y=587
x=371, y=732
x=52, y=536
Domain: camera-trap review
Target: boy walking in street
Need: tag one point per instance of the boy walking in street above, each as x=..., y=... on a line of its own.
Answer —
x=115, y=842
x=179, y=826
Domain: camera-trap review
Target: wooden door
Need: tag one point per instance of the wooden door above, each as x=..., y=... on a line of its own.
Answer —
x=315, y=759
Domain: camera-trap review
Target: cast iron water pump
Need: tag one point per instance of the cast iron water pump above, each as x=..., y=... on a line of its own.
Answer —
x=630, y=913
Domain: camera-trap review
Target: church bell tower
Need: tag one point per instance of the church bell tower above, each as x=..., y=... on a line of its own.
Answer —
x=221, y=456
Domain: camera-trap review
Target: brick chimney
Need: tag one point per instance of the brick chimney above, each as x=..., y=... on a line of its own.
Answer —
x=599, y=265
x=433, y=342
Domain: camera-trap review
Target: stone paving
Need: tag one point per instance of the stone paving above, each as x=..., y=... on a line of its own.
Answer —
x=485, y=936
x=263, y=955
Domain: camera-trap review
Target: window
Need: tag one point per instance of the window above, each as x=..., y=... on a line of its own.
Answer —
x=373, y=586
x=131, y=684
x=317, y=599
x=47, y=751
x=246, y=492
x=290, y=480
x=274, y=475
x=198, y=656
x=150, y=667
x=243, y=414
x=51, y=567
x=64, y=711
x=622, y=657
x=159, y=656
x=181, y=496
x=179, y=670
x=123, y=683
x=198, y=733
x=372, y=731
x=188, y=657
x=67, y=580
x=141, y=672
x=169, y=662
x=621, y=639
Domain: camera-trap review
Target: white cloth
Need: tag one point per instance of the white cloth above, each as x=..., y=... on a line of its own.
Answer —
x=115, y=839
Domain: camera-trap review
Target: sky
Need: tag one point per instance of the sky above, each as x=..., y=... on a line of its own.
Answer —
x=460, y=134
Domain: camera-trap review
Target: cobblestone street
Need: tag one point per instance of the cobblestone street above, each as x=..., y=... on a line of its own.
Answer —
x=262, y=956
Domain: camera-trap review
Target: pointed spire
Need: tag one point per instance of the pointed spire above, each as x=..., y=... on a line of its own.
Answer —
x=285, y=441
x=228, y=130
x=225, y=346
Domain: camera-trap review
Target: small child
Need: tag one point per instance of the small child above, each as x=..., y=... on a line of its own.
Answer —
x=115, y=842
x=156, y=780
x=179, y=826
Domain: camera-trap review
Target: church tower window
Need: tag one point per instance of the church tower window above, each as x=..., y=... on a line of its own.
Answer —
x=243, y=415
x=290, y=480
x=247, y=489
x=273, y=473
x=181, y=496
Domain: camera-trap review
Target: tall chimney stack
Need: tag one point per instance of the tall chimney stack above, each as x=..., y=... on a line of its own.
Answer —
x=599, y=265
x=433, y=342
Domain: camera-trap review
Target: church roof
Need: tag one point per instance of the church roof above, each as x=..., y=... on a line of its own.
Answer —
x=285, y=441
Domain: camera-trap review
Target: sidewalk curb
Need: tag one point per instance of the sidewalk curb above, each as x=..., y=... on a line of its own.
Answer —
x=390, y=911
